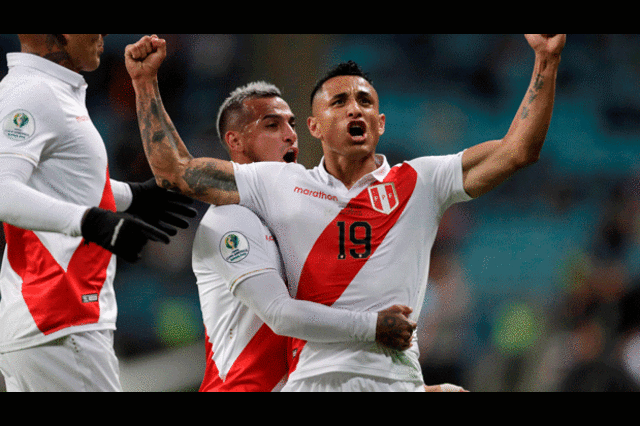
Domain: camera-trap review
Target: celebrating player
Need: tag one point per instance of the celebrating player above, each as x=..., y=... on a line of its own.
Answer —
x=355, y=233
x=58, y=205
x=238, y=267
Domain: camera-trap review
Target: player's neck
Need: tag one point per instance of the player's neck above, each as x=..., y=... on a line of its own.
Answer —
x=349, y=170
x=54, y=55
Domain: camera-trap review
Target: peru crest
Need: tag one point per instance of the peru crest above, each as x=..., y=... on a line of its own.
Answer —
x=384, y=197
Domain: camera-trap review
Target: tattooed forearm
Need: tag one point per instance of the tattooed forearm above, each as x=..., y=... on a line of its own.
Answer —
x=159, y=136
x=204, y=177
x=168, y=185
x=533, y=94
x=207, y=179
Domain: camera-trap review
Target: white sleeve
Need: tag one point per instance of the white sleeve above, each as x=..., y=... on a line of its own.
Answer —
x=443, y=176
x=267, y=296
x=257, y=183
x=230, y=244
x=24, y=207
x=121, y=194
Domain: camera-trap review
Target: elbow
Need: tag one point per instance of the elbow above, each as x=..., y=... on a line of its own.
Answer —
x=282, y=323
x=160, y=181
x=279, y=330
x=166, y=182
x=280, y=326
x=168, y=178
x=525, y=158
x=528, y=160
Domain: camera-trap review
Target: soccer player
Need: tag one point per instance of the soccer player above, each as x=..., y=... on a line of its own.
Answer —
x=355, y=233
x=58, y=205
x=238, y=267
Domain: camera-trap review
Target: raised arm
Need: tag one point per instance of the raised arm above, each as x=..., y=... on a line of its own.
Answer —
x=488, y=164
x=207, y=179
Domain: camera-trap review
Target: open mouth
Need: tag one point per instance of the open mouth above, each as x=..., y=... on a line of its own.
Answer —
x=356, y=129
x=291, y=156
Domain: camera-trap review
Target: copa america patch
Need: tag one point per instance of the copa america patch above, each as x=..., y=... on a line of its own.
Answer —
x=234, y=247
x=19, y=125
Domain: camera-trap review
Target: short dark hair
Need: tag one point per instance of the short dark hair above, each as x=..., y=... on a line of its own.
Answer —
x=344, y=68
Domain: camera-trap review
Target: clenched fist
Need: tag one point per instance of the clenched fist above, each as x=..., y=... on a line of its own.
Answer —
x=143, y=58
x=550, y=44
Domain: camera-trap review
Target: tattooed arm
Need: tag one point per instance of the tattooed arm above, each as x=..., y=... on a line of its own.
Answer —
x=488, y=164
x=207, y=179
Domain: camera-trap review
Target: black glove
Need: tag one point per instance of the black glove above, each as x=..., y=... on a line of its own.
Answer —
x=160, y=207
x=120, y=233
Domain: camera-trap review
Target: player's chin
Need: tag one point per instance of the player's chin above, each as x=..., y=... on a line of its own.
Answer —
x=92, y=65
x=361, y=145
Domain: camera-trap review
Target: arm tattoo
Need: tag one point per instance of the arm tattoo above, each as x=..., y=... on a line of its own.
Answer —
x=207, y=176
x=166, y=151
x=533, y=94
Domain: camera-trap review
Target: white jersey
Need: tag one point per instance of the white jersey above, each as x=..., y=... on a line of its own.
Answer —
x=366, y=248
x=243, y=354
x=52, y=284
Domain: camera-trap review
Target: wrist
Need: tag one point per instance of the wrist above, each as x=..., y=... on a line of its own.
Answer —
x=144, y=84
x=547, y=61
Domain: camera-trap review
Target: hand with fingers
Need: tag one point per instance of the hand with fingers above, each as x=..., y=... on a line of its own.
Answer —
x=164, y=209
x=143, y=58
x=548, y=44
x=120, y=233
x=394, y=329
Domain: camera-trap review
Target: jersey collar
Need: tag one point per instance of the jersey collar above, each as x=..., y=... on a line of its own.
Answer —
x=377, y=175
x=19, y=59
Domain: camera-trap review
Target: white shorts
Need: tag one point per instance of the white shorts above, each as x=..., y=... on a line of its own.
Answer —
x=81, y=362
x=347, y=382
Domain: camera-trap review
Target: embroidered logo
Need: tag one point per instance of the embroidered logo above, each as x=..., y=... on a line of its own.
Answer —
x=384, y=197
x=234, y=247
x=18, y=125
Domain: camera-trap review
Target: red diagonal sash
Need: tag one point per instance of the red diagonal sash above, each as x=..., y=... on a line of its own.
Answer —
x=55, y=297
x=330, y=268
x=261, y=365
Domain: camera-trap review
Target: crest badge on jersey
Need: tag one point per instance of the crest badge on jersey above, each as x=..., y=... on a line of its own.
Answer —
x=234, y=247
x=19, y=125
x=384, y=197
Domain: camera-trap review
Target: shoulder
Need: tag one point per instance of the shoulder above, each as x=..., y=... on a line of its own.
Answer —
x=36, y=97
x=27, y=87
x=435, y=162
x=269, y=168
x=230, y=232
x=221, y=219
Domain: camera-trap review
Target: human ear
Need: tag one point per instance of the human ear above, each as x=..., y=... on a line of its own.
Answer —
x=381, y=124
x=314, y=127
x=233, y=141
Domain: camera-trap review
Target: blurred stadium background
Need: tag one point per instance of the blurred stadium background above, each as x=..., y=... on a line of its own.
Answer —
x=533, y=287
